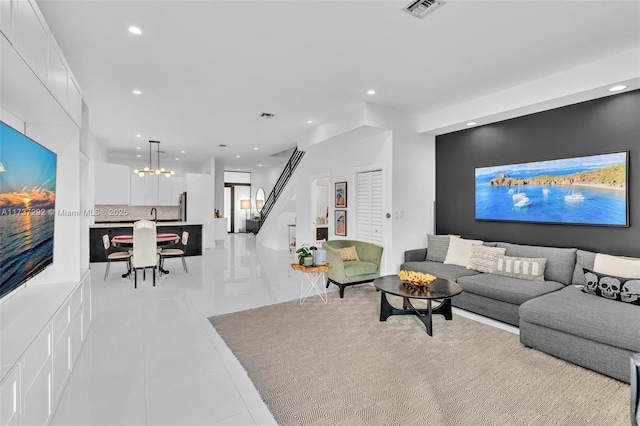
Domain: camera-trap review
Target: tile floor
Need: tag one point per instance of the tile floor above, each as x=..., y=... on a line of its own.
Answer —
x=152, y=358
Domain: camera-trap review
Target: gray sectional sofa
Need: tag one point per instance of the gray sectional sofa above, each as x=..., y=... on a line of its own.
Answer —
x=554, y=315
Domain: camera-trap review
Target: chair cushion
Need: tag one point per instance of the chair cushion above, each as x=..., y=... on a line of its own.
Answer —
x=172, y=252
x=506, y=289
x=118, y=255
x=358, y=267
x=348, y=253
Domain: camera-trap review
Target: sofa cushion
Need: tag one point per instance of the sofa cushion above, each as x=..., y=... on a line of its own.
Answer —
x=459, y=251
x=359, y=267
x=561, y=262
x=484, y=259
x=506, y=289
x=626, y=290
x=440, y=270
x=584, y=259
x=574, y=312
x=616, y=265
x=437, y=246
x=524, y=268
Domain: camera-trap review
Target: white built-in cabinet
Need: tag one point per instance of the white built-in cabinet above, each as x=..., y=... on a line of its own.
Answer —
x=33, y=384
x=23, y=25
x=151, y=190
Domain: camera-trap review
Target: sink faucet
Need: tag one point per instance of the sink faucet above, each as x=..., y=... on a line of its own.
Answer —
x=154, y=212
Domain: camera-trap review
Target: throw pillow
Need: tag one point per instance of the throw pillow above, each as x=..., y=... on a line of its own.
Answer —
x=524, y=268
x=459, y=251
x=625, y=290
x=348, y=253
x=485, y=259
x=616, y=265
x=437, y=246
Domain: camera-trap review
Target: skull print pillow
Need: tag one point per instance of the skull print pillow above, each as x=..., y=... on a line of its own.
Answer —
x=625, y=290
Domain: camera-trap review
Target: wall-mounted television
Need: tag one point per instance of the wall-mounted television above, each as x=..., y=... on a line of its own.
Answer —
x=27, y=208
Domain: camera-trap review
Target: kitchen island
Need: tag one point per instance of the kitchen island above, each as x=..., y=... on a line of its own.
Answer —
x=113, y=229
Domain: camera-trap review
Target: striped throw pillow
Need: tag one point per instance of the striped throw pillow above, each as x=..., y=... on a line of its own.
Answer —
x=524, y=268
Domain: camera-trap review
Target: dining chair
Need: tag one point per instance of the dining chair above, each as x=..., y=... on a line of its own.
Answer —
x=112, y=254
x=145, y=254
x=176, y=251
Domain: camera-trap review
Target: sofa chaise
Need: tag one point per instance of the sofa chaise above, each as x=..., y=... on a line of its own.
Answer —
x=553, y=313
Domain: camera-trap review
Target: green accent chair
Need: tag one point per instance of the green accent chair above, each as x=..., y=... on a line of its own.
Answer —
x=346, y=273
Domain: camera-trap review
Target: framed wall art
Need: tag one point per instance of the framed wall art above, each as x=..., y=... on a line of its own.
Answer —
x=341, y=194
x=340, y=224
x=589, y=190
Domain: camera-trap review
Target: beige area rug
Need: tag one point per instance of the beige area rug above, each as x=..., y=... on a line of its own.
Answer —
x=337, y=364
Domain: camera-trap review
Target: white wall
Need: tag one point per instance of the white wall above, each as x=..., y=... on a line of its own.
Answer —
x=200, y=205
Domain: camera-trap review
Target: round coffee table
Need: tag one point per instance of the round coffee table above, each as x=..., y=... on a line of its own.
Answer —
x=440, y=289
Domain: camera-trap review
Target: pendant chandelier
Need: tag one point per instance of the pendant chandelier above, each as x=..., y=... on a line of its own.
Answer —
x=150, y=170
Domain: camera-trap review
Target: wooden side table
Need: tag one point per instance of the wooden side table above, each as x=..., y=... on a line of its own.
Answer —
x=313, y=275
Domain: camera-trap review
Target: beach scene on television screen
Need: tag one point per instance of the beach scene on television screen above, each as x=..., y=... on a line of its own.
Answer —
x=27, y=208
x=581, y=190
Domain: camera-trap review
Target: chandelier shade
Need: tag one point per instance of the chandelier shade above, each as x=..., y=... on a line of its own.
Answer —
x=150, y=170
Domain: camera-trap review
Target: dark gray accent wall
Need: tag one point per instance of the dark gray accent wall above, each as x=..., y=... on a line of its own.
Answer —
x=610, y=124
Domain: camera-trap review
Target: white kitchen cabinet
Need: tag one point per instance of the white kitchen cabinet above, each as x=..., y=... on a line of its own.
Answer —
x=111, y=183
x=151, y=190
x=164, y=191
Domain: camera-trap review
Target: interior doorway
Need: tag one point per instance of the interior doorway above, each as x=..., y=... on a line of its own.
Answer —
x=234, y=193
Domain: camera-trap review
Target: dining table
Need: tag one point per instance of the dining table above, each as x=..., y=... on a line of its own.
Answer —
x=161, y=240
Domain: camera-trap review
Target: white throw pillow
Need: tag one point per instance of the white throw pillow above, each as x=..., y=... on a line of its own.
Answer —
x=485, y=259
x=459, y=252
x=617, y=266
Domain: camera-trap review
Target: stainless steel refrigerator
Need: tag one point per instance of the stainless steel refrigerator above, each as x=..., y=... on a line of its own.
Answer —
x=182, y=205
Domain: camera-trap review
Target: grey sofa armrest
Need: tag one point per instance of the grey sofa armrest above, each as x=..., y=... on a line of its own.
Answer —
x=417, y=255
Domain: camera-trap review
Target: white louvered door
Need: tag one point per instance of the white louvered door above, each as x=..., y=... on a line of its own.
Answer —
x=370, y=206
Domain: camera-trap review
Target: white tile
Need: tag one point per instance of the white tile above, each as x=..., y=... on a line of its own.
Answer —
x=203, y=400
x=151, y=355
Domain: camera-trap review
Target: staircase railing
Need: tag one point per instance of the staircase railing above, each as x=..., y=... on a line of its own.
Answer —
x=286, y=174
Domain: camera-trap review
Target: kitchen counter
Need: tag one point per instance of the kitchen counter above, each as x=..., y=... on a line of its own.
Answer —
x=129, y=224
x=96, y=249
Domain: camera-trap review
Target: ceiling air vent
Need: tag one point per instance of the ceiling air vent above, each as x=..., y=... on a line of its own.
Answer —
x=420, y=8
x=267, y=115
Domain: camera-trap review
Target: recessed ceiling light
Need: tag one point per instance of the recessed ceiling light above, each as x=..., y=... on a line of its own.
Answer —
x=309, y=121
x=471, y=123
x=177, y=159
x=371, y=92
x=138, y=136
x=138, y=155
x=255, y=148
x=617, y=88
x=182, y=152
x=237, y=156
x=137, y=147
x=137, y=92
x=135, y=30
x=259, y=165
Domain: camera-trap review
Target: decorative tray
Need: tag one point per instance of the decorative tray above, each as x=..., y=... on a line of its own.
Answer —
x=416, y=279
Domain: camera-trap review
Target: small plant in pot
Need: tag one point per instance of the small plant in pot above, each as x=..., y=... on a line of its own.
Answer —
x=305, y=256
